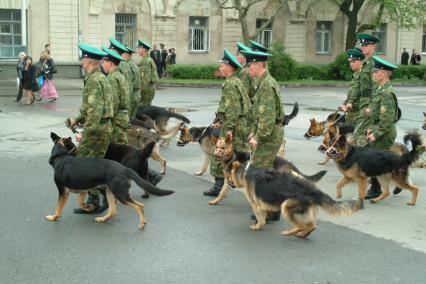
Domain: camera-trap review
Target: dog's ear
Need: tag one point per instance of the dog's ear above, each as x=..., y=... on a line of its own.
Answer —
x=424, y=113
x=228, y=138
x=54, y=137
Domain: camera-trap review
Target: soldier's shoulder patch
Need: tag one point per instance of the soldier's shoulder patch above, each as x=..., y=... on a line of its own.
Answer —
x=262, y=109
x=382, y=109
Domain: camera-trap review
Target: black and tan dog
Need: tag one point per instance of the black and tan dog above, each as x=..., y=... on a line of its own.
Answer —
x=297, y=198
x=207, y=138
x=361, y=163
x=166, y=123
x=84, y=173
x=224, y=152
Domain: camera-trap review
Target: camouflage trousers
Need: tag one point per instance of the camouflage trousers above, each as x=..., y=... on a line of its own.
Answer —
x=216, y=168
x=95, y=144
x=147, y=96
x=350, y=117
x=135, y=99
x=264, y=155
x=120, y=125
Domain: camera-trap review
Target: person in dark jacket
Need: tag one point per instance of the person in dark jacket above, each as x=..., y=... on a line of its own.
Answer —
x=405, y=56
x=20, y=70
x=156, y=56
x=29, y=84
x=415, y=58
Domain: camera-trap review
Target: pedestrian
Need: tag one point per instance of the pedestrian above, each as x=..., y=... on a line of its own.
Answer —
x=148, y=73
x=135, y=94
x=405, y=56
x=267, y=132
x=20, y=70
x=350, y=105
x=172, y=54
x=29, y=84
x=364, y=91
x=163, y=55
x=95, y=116
x=415, y=58
x=232, y=112
x=156, y=56
x=120, y=96
x=47, y=69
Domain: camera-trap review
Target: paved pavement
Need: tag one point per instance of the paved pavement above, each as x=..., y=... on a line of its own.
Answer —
x=187, y=241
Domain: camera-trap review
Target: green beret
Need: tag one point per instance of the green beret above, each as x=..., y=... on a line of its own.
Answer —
x=380, y=63
x=255, y=46
x=355, y=54
x=143, y=44
x=365, y=39
x=112, y=55
x=89, y=51
x=241, y=47
x=255, y=56
x=115, y=44
x=230, y=59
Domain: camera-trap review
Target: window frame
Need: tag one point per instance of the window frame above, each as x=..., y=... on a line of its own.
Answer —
x=424, y=40
x=381, y=33
x=262, y=35
x=123, y=36
x=15, y=19
x=322, y=33
x=194, y=29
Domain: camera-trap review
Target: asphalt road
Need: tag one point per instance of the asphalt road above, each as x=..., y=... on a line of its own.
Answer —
x=186, y=240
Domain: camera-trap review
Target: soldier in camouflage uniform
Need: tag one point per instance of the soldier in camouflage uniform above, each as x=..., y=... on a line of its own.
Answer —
x=148, y=74
x=350, y=105
x=234, y=107
x=244, y=74
x=96, y=112
x=135, y=94
x=124, y=65
x=121, y=97
x=267, y=132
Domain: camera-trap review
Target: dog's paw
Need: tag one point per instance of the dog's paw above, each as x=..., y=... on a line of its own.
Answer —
x=199, y=173
x=100, y=219
x=213, y=202
x=256, y=227
x=52, y=217
x=338, y=195
x=411, y=203
x=142, y=225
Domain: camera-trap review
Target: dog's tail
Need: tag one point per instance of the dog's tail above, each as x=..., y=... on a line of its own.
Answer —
x=316, y=177
x=293, y=114
x=146, y=185
x=179, y=116
x=417, y=149
x=340, y=208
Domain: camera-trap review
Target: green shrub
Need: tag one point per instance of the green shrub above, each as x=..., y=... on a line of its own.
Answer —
x=192, y=71
x=311, y=72
x=408, y=72
x=339, y=69
x=281, y=65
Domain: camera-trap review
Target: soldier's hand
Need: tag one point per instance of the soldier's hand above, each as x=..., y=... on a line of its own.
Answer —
x=371, y=137
x=343, y=108
x=78, y=137
x=367, y=111
x=253, y=143
x=348, y=107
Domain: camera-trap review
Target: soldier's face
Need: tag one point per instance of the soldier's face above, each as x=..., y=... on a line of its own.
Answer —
x=226, y=69
x=106, y=65
x=142, y=51
x=368, y=49
x=355, y=64
x=379, y=75
x=255, y=68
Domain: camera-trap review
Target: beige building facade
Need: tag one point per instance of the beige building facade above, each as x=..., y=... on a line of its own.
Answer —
x=312, y=31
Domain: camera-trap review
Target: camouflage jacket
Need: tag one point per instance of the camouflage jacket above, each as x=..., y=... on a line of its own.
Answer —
x=267, y=108
x=125, y=70
x=351, y=97
x=248, y=82
x=135, y=76
x=97, y=100
x=363, y=90
x=384, y=115
x=234, y=106
x=119, y=90
x=148, y=74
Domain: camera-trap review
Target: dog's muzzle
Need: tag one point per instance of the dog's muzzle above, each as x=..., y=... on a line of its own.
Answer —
x=307, y=135
x=322, y=148
x=333, y=153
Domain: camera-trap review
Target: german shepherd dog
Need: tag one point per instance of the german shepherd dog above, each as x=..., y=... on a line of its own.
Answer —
x=162, y=121
x=297, y=198
x=224, y=152
x=318, y=128
x=361, y=163
x=207, y=138
x=84, y=173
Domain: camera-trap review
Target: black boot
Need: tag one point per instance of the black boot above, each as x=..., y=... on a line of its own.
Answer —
x=104, y=204
x=153, y=177
x=218, y=184
x=93, y=202
x=374, y=190
x=271, y=216
x=397, y=190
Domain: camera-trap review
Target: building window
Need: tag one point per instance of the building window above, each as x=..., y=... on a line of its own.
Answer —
x=10, y=33
x=380, y=32
x=323, y=39
x=424, y=40
x=199, y=40
x=265, y=36
x=125, y=29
